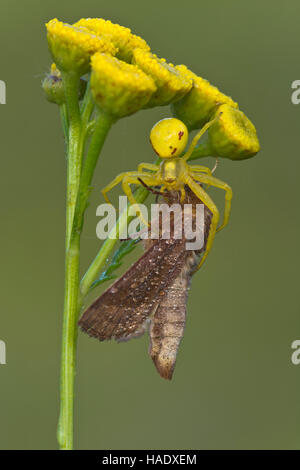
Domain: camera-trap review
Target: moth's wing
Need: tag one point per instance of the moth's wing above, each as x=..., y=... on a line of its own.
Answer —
x=168, y=322
x=121, y=312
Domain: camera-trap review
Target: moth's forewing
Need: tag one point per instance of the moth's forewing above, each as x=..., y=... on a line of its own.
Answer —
x=121, y=311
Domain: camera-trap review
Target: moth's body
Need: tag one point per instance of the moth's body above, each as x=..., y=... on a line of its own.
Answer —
x=168, y=321
x=151, y=294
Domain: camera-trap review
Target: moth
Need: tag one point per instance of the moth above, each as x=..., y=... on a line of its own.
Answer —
x=151, y=295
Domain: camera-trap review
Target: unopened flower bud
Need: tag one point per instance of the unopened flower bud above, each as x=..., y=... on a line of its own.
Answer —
x=53, y=86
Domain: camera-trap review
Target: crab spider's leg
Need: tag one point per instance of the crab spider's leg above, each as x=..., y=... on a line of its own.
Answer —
x=148, y=166
x=111, y=185
x=118, y=180
x=212, y=181
x=200, y=169
x=133, y=178
x=182, y=192
x=205, y=198
x=198, y=137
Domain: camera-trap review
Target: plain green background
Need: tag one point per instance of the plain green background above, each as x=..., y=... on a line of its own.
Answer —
x=234, y=385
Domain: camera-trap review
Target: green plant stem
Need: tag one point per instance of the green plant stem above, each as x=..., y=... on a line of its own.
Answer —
x=87, y=105
x=64, y=121
x=69, y=345
x=102, y=126
x=71, y=84
x=77, y=196
x=69, y=334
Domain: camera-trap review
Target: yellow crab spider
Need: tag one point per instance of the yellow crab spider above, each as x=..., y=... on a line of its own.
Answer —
x=169, y=138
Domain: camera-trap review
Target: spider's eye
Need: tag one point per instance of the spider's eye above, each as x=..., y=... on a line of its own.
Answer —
x=169, y=137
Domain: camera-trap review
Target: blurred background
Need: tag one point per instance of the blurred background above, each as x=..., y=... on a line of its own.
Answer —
x=234, y=385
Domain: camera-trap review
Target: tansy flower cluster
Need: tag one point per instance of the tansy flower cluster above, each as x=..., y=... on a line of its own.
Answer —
x=125, y=76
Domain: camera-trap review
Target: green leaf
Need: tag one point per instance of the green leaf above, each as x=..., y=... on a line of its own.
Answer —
x=124, y=249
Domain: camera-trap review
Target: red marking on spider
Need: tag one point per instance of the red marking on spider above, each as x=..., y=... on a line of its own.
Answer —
x=173, y=151
x=180, y=134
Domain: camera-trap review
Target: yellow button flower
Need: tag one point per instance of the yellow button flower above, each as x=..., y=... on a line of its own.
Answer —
x=171, y=83
x=199, y=105
x=122, y=37
x=71, y=47
x=119, y=88
x=233, y=135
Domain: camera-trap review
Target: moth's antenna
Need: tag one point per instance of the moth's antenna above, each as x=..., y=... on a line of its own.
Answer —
x=153, y=191
x=215, y=166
